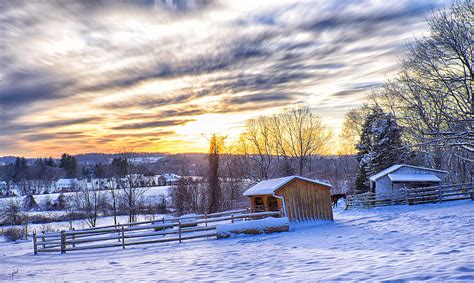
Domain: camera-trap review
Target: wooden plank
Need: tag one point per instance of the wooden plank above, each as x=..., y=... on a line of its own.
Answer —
x=63, y=242
x=289, y=206
x=312, y=204
x=329, y=205
x=320, y=207
x=460, y=198
x=324, y=208
x=302, y=203
x=35, y=249
x=298, y=205
x=316, y=204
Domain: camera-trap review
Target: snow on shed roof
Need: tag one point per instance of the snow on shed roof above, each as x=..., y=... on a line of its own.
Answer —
x=268, y=187
x=414, y=178
x=394, y=168
x=66, y=180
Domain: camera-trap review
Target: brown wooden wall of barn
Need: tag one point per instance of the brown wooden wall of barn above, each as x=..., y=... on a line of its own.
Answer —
x=306, y=201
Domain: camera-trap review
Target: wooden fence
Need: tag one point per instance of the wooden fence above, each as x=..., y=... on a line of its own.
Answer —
x=414, y=196
x=138, y=233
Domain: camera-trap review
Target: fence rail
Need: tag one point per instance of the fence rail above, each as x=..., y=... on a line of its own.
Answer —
x=138, y=233
x=414, y=196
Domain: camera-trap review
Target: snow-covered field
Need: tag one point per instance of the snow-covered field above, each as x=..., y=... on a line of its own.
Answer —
x=424, y=242
x=148, y=192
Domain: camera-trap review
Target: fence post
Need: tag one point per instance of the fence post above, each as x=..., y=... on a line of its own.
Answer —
x=391, y=196
x=63, y=242
x=123, y=237
x=440, y=194
x=179, y=231
x=35, y=248
x=43, y=236
x=73, y=238
x=205, y=217
x=232, y=218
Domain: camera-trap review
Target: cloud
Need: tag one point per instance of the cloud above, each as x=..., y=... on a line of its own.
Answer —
x=262, y=98
x=357, y=88
x=100, y=68
x=152, y=124
x=28, y=127
x=50, y=136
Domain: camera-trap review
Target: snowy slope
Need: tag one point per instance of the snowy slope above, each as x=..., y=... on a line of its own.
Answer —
x=148, y=192
x=424, y=242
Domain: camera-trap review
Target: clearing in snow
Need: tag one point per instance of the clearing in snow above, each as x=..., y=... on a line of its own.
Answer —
x=423, y=242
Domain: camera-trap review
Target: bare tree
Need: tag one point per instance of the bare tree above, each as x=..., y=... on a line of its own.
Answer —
x=88, y=200
x=258, y=146
x=185, y=196
x=351, y=129
x=11, y=211
x=133, y=195
x=216, y=147
x=113, y=186
x=128, y=178
x=305, y=135
x=432, y=96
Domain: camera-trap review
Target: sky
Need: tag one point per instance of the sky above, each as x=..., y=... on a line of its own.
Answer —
x=162, y=76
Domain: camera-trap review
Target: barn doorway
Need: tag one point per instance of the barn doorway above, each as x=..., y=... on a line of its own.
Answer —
x=259, y=206
x=273, y=204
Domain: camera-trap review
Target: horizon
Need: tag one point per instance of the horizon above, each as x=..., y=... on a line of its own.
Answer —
x=142, y=153
x=158, y=76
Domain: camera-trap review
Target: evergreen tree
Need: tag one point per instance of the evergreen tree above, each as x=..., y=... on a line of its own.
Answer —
x=29, y=203
x=380, y=146
x=20, y=169
x=60, y=203
x=120, y=166
x=99, y=170
x=215, y=194
x=50, y=162
x=69, y=164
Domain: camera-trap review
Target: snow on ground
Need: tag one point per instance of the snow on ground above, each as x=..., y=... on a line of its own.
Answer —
x=82, y=223
x=150, y=193
x=423, y=242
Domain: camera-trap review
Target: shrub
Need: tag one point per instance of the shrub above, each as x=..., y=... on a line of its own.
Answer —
x=14, y=234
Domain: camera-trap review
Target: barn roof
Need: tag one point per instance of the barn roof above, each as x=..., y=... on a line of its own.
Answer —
x=268, y=187
x=414, y=178
x=394, y=168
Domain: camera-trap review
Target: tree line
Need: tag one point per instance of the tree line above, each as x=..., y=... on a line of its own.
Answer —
x=424, y=115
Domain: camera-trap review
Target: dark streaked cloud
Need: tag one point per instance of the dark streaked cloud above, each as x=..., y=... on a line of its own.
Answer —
x=60, y=135
x=257, y=98
x=357, y=88
x=72, y=69
x=151, y=124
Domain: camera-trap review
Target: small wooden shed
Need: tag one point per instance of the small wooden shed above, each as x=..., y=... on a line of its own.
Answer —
x=298, y=198
x=392, y=182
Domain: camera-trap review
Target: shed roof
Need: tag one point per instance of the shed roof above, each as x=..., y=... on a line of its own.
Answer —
x=414, y=178
x=394, y=168
x=68, y=181
x=268, y=187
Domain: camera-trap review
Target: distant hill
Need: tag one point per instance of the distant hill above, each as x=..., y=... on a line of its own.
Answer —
x=93, y=158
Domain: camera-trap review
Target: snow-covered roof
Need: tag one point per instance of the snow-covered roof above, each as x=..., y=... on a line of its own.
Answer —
x=170, y=176
x=394, y=168
x=268, y=187
x=414, y=178
x=66, y=181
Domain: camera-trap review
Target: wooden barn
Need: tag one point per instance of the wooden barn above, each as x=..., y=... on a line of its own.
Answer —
x=392, y=182
x=298, y=198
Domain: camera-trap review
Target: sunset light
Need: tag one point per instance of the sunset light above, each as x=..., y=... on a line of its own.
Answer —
x=159, y=77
